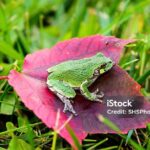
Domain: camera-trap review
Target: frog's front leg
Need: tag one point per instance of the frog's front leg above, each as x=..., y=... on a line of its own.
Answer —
x=90, y=96
x=64, y=92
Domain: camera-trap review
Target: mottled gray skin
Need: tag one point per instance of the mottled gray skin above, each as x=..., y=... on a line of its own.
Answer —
x=66, y=77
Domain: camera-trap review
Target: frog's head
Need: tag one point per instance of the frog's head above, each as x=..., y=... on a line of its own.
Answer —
x=105, y=63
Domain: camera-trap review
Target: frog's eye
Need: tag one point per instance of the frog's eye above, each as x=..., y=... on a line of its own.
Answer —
x=101, y=71
x=102, y=68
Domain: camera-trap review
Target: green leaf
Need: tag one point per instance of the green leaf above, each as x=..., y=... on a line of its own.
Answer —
x=8, y=104
x=18, y=144
x=2, y=148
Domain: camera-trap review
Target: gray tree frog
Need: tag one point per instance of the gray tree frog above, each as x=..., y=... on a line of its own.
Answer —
x=68, y=76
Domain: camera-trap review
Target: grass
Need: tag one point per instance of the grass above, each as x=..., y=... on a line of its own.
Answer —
x=29, y=25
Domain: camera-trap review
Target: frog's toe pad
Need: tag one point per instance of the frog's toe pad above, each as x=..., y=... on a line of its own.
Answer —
x=98, y=100
x=100, y=95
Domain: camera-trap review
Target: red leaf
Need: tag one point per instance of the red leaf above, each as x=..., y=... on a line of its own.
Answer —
x=31, y=87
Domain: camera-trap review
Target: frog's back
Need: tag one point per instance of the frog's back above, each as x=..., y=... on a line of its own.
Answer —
x=76, y=63
x=74, y=74
x=67, y=65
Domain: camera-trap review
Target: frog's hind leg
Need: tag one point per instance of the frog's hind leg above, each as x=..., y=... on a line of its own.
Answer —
x=64, y=92
x=90, y=96
x=67, y=104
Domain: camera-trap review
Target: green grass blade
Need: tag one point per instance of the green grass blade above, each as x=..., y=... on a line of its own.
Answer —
x=128, y=63
x=78, y=16
x=110, y=148
x=129, y=136
x=148, y=145
x=143, y=77
x=9, y=51
x=54, y=141
x=97, y=144
x=135, y=145
x=109, y=123
x=75, y=139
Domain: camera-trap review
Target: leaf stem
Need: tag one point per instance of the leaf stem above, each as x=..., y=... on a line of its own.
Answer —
x=3, y=77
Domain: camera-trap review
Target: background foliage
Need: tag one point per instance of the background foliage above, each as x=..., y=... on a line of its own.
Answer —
x=29, y=25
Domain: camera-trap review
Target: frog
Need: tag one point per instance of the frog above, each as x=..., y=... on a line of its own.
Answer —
x=65, y=78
